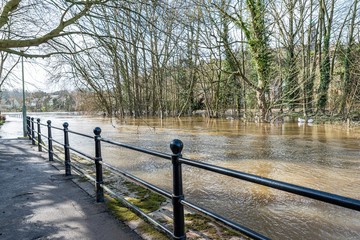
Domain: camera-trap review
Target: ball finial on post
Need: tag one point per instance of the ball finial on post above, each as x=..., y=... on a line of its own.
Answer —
x=176, y=146
x=97, y=131
x=65, y=125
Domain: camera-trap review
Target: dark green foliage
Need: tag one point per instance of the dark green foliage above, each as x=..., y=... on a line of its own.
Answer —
x=2, y=119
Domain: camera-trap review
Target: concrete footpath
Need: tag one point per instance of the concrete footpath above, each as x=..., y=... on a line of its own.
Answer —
x=37, y=201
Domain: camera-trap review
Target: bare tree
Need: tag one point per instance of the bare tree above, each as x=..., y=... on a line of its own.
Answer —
x=28, y=24
x=346, y=100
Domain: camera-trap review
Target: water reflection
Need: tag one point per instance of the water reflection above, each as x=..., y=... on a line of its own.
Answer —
x=323, y=157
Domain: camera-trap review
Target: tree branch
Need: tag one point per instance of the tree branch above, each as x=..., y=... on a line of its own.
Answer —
x=7, y=44
x=32, y=55
x=9, y=7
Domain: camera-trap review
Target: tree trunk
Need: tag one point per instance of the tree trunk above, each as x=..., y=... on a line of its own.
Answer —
x=325, y=63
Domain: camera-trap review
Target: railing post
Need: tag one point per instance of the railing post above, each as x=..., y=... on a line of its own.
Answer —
x=176, y=147
x=32, y=131
x=51, y=153
x=98, y=158
x=39, y=135
x=28, y=127
x=67, y=150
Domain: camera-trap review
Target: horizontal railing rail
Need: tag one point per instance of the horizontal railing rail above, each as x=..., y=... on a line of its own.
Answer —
x=138, y=149
x=81, y=134
x=287, y=187
x=177, y=196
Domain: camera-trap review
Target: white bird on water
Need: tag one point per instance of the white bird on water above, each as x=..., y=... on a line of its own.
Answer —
x=302, y=120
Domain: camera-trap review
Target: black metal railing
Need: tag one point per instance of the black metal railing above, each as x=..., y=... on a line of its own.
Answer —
x=177, y=196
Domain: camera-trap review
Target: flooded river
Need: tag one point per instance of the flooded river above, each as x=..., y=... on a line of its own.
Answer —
x=323, y=157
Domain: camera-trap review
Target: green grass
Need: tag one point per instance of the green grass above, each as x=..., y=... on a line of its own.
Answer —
x=209, y=228
x=144, y=199
x=121, y=212
x=126, y=215
x=150, y=230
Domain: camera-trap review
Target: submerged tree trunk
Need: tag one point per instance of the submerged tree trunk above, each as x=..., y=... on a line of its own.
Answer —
x=312, y=45
x=325, y=63
x=256, y=33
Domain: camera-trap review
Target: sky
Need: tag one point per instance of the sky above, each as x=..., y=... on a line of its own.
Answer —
x=35, y=75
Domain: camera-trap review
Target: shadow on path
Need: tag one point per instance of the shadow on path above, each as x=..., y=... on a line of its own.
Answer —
x=39, y=202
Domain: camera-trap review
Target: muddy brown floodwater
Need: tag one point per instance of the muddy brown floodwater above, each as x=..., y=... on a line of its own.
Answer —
x=323, y=157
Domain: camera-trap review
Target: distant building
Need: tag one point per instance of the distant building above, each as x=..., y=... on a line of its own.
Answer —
x=9, y=103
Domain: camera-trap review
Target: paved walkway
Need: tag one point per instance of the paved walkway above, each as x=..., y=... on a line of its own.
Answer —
x=38, y=202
